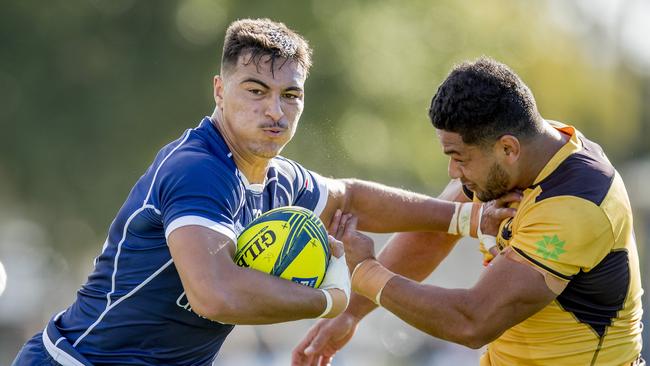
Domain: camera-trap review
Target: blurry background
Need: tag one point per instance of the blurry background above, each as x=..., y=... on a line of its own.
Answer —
x=90, y=90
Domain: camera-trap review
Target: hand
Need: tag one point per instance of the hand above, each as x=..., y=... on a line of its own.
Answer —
x=495, y=211
x=323, y=340
x=336, y=247
x=358, y=247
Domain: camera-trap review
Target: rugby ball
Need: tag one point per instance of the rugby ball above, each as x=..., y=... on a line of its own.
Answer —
x=289, y=242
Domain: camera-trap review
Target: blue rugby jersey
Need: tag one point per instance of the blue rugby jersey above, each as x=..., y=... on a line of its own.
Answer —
x=133, y=309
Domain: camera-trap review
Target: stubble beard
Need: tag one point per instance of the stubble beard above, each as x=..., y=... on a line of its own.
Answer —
x=266, y=151
x=497, y=184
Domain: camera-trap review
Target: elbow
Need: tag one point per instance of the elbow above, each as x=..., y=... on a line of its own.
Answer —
x=473, y=342
x=471, y=332
x=474, y=337
x=216, y=308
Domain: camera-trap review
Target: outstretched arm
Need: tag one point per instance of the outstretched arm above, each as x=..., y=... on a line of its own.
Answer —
x=508, y=292
x=384, y=209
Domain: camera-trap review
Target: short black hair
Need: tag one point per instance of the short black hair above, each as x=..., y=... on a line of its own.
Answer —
x=482, y=101
x=264, y=37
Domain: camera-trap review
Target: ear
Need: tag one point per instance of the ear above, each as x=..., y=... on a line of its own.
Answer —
x=508, y=149
x=218, y=91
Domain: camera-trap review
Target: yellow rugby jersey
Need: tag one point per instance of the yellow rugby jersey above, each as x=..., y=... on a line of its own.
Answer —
x=575, y=223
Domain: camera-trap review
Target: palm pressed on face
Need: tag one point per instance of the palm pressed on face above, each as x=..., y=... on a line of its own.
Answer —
x=259, y=107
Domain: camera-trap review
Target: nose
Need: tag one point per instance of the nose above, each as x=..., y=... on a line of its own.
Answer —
x=274, y=109
x=454, y=170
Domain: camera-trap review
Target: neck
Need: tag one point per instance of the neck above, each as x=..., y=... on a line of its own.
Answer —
x=251, y=166
x=539, y=152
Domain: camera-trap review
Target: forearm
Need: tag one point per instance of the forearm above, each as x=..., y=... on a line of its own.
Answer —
x=472, y=317
x=381, y=208
x=250, y=297
x=220, y=290
x=413, y=255
x=449, y=314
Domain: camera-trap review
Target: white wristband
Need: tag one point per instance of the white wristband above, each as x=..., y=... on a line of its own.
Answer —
x=465, y=219
x=378, y=297
x=453, y=224
x=328, y=306
x=487, y=240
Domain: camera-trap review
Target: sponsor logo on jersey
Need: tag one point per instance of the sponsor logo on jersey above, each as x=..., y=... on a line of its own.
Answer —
x=550, y=247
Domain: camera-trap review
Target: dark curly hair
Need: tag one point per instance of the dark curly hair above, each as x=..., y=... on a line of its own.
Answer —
x=264, y=37
x=482, y=101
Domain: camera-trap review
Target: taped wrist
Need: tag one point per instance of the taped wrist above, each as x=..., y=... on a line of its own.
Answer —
x=466, y=219
x=336, y=302
x=369, y=279
x=337, y=276
x=336, y=287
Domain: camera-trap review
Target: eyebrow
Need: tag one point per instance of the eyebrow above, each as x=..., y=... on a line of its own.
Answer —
x=257, y=81
x=264, y=85
x=450, y=151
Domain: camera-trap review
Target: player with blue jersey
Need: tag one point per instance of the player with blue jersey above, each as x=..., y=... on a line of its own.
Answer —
x=165, y=289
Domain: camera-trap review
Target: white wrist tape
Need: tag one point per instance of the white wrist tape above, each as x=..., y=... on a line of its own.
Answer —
x=336, y=277
x=487, y=240
x=328, y=306
x=453, y=224
x=465, y=219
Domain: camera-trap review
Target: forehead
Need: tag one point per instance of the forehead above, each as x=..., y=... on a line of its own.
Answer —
x=452, y=143
x=285, y=73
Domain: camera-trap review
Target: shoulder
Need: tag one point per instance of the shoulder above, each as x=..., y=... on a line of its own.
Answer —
x=586, y=174
x=191, y=169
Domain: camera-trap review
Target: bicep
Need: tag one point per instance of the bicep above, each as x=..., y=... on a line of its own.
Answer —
x=201, y=257
x=508, y=292
x=336, y=199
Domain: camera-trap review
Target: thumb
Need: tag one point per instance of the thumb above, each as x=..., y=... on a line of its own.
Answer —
x=317, y=345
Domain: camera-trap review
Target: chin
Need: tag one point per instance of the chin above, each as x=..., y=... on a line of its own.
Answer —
x=488, y=196
x=268, y=153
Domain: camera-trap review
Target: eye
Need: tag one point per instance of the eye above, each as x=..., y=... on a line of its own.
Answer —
x=256, y=91
x=291, y=96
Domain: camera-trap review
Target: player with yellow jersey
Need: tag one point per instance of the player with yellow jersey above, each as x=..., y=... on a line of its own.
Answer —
x=564, y=287
x=574, y=226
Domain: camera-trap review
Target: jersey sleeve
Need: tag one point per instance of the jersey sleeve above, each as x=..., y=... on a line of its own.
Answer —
x=309, y=188
x=196, y=191
x=563, y=235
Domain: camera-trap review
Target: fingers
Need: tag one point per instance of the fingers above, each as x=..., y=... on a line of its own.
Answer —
x=334, y=224
x=504, y=213
x=325, y=361
x=317, y=345
x=508, y=198
x=336, y=247
x=338, y=224
x=298, y=356
x=350, y=226
x=341, y=229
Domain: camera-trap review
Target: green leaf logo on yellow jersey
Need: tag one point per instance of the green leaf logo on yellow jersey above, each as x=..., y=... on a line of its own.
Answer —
x=550, y=247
